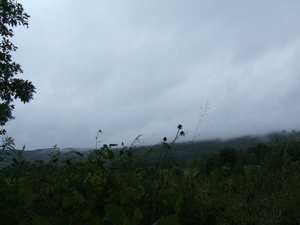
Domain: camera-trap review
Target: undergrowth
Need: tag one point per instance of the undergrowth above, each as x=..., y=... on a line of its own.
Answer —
x=112, y=185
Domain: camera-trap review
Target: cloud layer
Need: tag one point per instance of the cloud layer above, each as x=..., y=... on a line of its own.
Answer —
x=143, y=67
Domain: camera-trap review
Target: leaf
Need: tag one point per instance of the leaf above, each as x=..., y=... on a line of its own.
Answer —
x=173, y=199
x=66, y=202
x=86, y=214
x=40, y=220
x=78, y=198
x=25, y=194
x=24, y=221
x=15, y=161
x=126, y=195
x=114, y=214
x=137, y=214
x=111, y=154
x=100, y=164
x=168, y=220
x=73, y=200
x=139, y=192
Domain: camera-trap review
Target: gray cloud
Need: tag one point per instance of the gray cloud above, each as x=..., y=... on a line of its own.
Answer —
x=143, y=67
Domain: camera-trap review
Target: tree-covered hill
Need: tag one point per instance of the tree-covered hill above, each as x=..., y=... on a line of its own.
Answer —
x=185, y=152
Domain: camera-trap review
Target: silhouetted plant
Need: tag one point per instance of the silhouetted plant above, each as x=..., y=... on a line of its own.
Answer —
x=202, y=114
x=7, y=146
x=166, y=157
x=12, y=14
x=112, y=189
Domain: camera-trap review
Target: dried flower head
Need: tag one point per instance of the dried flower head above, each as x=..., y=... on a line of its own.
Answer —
x=179, y=127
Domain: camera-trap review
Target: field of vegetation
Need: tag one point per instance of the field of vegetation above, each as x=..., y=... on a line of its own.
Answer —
x=256, y=185
x=207, y=183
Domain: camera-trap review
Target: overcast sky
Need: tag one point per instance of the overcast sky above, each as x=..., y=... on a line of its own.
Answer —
x=143, y=67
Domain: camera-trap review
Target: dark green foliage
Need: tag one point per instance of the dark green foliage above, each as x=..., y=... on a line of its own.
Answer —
x=11, y=15
x=227, y=156
x=172, y=219
x=228, y=187
x=207, y=163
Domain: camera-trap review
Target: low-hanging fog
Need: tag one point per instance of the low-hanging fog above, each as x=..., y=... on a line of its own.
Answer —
x=143, y=67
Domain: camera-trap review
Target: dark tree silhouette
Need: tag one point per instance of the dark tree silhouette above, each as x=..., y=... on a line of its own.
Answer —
x=12, y=14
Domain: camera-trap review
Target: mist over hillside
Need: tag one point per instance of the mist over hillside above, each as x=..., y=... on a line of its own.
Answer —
x=185, y=151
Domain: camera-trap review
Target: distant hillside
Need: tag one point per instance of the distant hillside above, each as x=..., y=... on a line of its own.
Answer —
x=42, y=154
x=184, y=151
x=187, y=151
